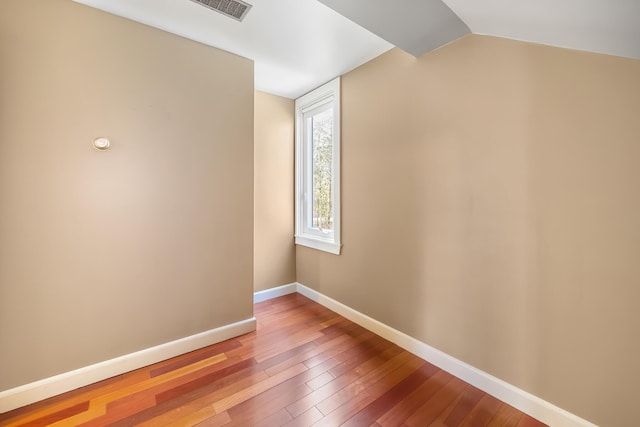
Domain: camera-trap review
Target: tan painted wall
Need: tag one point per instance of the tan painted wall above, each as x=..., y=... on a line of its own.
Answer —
x=106, y=253
x=491, y=208
x=274, y=253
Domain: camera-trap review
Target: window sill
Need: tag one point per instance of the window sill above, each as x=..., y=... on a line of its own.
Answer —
x=321, y=245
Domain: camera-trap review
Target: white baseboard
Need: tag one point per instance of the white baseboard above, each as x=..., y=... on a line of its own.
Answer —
x=520, y=399
x=52, y=386
x=274, y=292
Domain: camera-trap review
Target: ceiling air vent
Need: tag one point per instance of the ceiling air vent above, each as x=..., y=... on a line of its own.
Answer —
x=235, y=9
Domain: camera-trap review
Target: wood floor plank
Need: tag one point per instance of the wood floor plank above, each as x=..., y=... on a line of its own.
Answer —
x=506, y=416
x=306, y=419
x=208, y=378
x=98, y=406
x=194, y=357
x=202, y=396
x=172, y=410
x=217, y=420
x=359, y=354
x=363, y=383
x=148, y=398
x=61, y=402
x=260, y=387
x=333, y=387
x=454, y=415
x=304, y=365
x=389, y=399
x=482, y=413
x=528, y=421
x=437, y=404
x=66, y=400
x=59, y=415
x=277, y=419
x=121, y=408
x=364, y=392
x=410, y=404
x=277, y=397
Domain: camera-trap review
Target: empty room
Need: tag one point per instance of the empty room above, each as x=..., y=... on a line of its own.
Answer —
x=319, y=212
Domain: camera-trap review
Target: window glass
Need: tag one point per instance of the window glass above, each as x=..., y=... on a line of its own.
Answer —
x=322, y=157
x=318, y=168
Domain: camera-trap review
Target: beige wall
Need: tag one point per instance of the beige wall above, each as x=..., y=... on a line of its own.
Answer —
x=106, y=253
x=491, y=209
x=274, y=252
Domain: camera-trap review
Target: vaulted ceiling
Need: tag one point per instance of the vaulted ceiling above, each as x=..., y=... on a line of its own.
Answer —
x=299, y=44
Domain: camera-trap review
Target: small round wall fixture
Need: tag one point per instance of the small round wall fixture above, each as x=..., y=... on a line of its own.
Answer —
x=101, y=144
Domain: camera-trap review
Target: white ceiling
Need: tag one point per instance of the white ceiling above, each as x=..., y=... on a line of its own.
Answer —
x=299, y=44
x=604, y=26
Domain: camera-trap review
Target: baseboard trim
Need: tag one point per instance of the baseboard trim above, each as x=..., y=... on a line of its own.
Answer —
x=520, y=399
x=274, y=292
x=52, y=386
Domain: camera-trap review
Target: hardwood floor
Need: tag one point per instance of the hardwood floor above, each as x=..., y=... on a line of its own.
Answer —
x=305, y=365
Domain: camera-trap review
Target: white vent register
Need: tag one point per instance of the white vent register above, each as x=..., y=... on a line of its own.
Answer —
x=235, y=9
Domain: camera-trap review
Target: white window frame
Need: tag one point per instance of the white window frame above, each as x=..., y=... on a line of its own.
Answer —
x=317, y=100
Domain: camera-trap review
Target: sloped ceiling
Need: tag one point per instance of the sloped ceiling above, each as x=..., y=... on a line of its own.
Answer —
x=415, y=26
x=419, y=26
x=299, y=44
x=610, y=27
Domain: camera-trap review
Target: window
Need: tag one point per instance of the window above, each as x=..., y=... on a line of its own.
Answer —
x=318, y=168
